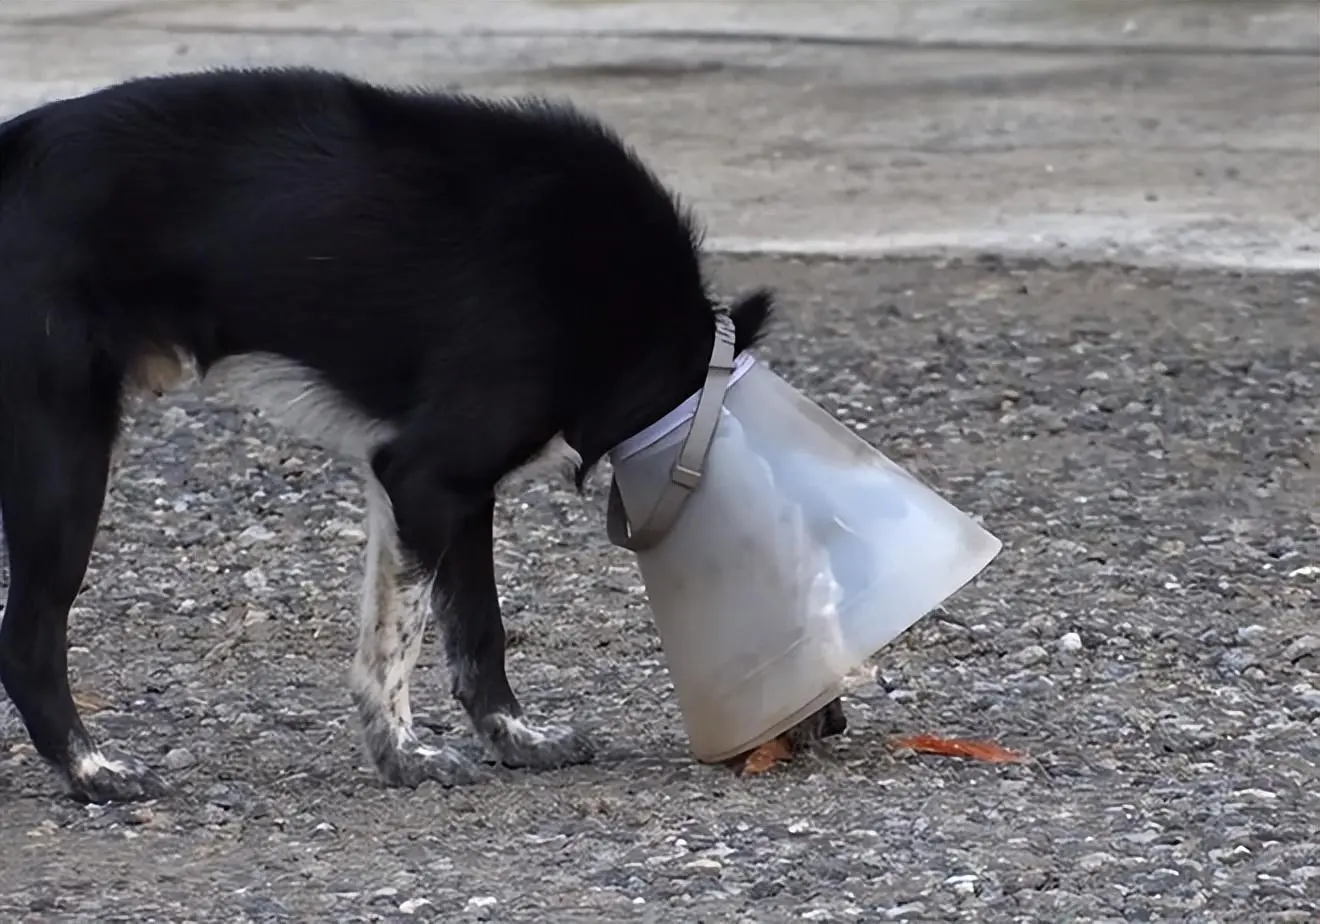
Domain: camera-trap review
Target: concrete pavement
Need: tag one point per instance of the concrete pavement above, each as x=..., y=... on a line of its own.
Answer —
x=1152, y=133
x=1260, y=25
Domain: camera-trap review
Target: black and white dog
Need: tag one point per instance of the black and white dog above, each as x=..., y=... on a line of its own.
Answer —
x=438, y=287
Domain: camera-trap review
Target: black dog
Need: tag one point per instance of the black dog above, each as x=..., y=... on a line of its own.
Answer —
x=441, y=288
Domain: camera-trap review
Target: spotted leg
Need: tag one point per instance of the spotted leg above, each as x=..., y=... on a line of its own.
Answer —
x=396, y=600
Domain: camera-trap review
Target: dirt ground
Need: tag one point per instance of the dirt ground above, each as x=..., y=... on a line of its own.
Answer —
x=1117, y=131
x=1145, y=443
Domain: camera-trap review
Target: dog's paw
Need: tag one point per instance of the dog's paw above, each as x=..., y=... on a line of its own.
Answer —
x=413, y=763
x=827, y=722
x=520, y=745
x=96, y=778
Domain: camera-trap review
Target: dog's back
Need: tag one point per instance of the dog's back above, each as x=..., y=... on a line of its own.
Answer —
x=396, y=242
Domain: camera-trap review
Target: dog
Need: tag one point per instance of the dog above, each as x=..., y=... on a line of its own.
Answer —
x=439, y=288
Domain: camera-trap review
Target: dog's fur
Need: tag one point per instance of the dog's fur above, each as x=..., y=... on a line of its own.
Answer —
x=438, y=287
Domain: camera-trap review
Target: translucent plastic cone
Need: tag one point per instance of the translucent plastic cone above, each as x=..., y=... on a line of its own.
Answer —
x=802, y=553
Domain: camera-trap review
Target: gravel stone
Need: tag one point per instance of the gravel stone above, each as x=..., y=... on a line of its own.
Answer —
x=1252, y=635
x=255, y=535
x=1301, y=648
x=179, y=758
x=1029, y=656
x=1167, y=781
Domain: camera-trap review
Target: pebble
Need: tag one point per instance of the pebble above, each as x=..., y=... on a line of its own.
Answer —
x=254, y=535
x=1236, y=660
x=1225, y=855
x=1029, y=656
x=1249, y=635
x=138, y=815
x=179, y=759
x=1094, y=861
x=481, y=901
x=964, y=884
x=1047, y=419
x=1263, y=795
x=1070, y=642
x=705, y=863
x=1141, y=837
x=1296, y=916
x=214, y=815
x=1300, y=648
x=173, y=417
x=413, y=905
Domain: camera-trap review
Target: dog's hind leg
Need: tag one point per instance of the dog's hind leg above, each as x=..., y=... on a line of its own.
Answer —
x=54, y=464
x=468, y=610
x=396, y=600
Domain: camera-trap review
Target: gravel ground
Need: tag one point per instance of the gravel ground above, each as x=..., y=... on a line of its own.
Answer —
x=1145, y=443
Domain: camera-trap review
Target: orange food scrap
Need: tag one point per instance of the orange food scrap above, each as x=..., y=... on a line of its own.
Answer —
x=767, y=755
x=956, y=747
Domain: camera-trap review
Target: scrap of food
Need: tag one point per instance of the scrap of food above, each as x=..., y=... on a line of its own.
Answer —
x=986, y=751
x=830, y=721
x=765, y=757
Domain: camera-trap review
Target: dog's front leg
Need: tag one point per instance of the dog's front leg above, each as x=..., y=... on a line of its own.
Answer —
x=396, y=600
x=468, y=609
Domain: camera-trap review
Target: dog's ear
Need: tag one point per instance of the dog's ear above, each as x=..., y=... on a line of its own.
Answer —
x=750, y=315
